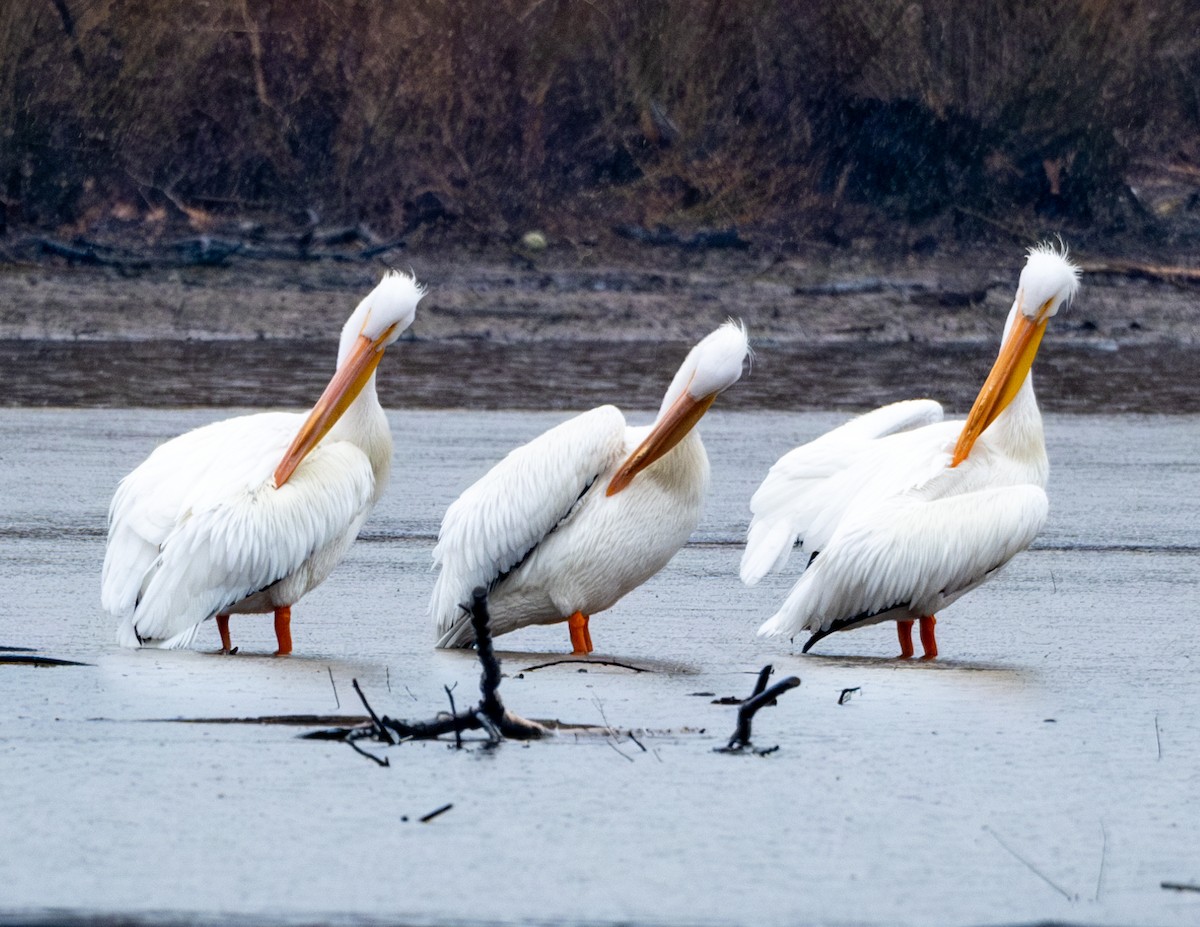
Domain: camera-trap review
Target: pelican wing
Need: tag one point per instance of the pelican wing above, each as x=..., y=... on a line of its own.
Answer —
x=912, y=551
x=800, y=487
x=495, y=524
x=199, y=526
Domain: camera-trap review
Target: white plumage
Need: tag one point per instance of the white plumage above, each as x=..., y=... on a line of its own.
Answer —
x=567, y=524
x=903, y=512
x=250, y=513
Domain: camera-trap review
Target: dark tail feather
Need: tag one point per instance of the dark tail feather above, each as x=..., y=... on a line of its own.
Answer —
x=842, y=624
x=816, y=636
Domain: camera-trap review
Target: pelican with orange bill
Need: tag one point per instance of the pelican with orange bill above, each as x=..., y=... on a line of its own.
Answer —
x=250, y=513
x=567, y=524
x=899, y=513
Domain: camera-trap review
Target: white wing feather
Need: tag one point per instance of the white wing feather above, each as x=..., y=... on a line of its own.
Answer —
x=912, y=551
x=797, y=489
x=198, y=526
x=494, y=524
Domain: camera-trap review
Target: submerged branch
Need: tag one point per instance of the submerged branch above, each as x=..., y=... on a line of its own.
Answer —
x=489, y=715
x=761, y=696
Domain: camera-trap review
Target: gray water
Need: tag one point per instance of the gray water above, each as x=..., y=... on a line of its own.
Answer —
x=1042, y=770
x=573, y=375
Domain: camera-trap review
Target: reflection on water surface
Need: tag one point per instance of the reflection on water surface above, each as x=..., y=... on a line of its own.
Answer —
x=576, y=374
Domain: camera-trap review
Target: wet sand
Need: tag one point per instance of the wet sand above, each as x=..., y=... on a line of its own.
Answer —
x=1042, y=770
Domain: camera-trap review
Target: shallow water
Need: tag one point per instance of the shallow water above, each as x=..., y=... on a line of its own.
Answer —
x=1043, y=770
x=576, y=374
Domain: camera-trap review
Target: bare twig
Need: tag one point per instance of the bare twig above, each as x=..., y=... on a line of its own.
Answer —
x=762, y=696
x=1030, y=866
x=329, y=670
x=382, y=761
x=435, y=812
x=383, y=731
x=1103, y=857
x=453, y=712
x=1158, y=736
x=613, y=737
x=489, y=715
x=628, y=666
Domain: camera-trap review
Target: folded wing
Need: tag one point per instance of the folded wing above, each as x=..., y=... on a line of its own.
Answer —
x=803, y=483
x=495, y=524
x=915, y=551
x=199, y=526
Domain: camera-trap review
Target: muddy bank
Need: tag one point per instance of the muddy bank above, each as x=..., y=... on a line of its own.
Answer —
x=579, y=293
x=569, y=329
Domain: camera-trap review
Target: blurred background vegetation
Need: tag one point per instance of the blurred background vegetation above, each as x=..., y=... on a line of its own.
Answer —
x=794, y=120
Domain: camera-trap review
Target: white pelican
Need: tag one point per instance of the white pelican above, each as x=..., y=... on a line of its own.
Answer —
x=900, y=513
x=567, y=524
x=249, y=514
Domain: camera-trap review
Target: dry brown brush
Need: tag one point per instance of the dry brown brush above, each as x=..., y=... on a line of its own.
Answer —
x=573, y=114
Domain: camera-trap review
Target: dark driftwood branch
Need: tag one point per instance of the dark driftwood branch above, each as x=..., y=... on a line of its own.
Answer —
x=489, y=715
x=760, y=697
x=383, y=732
x=1166, y=272
x=210, y=250
x=586, y=662
x=435, y=812
x=379, y=760
x=33, y=660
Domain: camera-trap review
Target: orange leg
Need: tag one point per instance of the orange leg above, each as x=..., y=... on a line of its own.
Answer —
x=223, y=630
x=581, y=639
x=928, y=640
x=904, y=630
x=283, y=630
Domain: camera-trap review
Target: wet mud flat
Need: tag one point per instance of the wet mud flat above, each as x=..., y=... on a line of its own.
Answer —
x=573, y=329
x=1043, y=770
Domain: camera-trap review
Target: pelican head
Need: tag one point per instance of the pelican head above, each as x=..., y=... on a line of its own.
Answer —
x=378, y=321
x=712, y=366
x=1048, y=282
x=383, y=314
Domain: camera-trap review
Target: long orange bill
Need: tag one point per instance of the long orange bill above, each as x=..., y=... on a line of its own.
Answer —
x=346, y=384
x=668, y=431
x=1004, y=381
